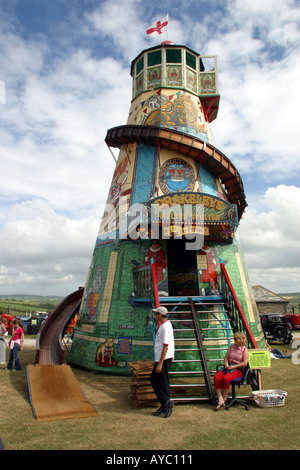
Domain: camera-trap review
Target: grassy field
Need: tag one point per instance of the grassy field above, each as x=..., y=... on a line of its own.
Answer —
x=26, y=305
x=119, y=426
x=294, y=300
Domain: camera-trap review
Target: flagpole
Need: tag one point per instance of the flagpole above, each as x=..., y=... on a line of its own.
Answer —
x=167, y=26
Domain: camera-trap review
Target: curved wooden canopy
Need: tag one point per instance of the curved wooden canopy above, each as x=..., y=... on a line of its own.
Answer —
x=210, y=157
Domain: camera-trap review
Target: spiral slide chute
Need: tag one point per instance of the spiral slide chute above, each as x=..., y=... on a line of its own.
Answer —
x=49, y=344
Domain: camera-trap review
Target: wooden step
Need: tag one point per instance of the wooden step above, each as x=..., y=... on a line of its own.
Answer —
x=176, y=330
x=174, y=312
x=186, y=349
x=190, y=320
x=215, y=339
x=184, y=339
x=218, y=328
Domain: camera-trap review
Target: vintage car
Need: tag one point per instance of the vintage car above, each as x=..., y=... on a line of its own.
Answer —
x=294, y=320
x=276, y=327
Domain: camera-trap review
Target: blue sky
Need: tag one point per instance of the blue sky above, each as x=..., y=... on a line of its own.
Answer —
x=65, y=79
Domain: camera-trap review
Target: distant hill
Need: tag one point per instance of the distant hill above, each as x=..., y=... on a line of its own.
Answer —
x=290, y=294
x=293, y=299
x=23, y=304
x=32, y=297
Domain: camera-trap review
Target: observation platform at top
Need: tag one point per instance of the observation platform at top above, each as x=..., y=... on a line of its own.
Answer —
x=178, y=67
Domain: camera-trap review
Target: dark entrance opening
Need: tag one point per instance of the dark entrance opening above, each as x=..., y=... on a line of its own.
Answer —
x=182, y=268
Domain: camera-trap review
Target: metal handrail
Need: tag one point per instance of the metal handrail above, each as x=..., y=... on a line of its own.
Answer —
x=239, y=321
x=155, y=288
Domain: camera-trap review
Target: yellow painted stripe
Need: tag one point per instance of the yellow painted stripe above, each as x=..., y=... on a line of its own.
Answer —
x=245, y=288
x=108, y=287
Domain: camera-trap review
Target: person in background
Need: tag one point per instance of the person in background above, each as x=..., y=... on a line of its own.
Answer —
x=3, y=333
x=15, y=345
x=276, y=354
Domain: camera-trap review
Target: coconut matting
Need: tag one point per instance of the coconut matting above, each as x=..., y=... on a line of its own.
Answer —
x=55, y=394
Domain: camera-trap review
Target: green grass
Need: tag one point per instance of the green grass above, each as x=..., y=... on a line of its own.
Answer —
x=19, y=307
x=119, y=426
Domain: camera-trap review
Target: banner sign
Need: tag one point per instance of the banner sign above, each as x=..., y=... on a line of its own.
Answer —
x=182, y=209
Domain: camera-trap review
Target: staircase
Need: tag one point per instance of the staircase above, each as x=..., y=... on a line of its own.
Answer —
x=202, y=333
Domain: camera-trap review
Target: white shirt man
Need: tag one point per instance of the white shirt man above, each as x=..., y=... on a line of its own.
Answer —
x=164, y=354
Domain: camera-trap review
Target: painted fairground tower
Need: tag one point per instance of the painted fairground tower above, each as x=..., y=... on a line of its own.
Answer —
x=170, y=186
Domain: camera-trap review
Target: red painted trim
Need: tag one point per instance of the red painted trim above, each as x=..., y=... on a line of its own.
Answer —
x=155, y=283
x=202, y=154
x=158, y=151
x=234, y=180
x=241, y=312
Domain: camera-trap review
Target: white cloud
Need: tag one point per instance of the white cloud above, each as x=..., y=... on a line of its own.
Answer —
x=58, y=130
x=257, y=126
x=120, y=21
x=270, y=239
x=43, y=249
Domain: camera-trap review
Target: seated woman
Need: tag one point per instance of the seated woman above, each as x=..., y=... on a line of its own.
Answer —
x=236, y=358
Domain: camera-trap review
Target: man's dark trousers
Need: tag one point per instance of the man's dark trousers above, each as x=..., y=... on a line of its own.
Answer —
x=160, y=381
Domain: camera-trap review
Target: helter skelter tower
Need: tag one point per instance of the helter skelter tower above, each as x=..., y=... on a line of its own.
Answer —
x=167, y=158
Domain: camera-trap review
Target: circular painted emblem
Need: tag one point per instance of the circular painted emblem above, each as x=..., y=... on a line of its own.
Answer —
x=176, y=175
